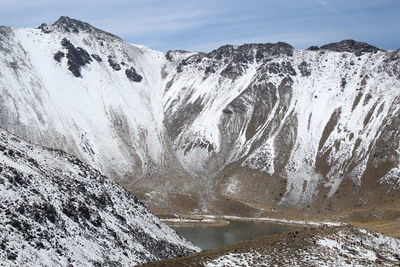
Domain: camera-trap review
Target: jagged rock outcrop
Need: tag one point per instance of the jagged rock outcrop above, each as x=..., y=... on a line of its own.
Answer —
x=349, y=46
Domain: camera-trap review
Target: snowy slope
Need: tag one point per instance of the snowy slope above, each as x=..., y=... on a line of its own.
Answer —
x=103, y=117
x=263, y=124
x=56, y=211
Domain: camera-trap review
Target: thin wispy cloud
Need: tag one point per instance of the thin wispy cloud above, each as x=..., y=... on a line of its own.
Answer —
x=153, y=23
x=336, y=11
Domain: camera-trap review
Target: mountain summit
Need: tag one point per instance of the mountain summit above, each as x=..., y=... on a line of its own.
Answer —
x=350, y=46
x=67, y=24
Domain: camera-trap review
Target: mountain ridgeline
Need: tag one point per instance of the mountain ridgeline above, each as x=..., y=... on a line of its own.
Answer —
x=253, y=129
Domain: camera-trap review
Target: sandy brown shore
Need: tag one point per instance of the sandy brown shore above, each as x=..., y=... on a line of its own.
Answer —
x=195, y=222
x=221, y=220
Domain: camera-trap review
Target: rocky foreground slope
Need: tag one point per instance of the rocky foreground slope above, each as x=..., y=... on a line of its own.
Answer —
x=336, y=246
x=255, y=127
x=56, y=210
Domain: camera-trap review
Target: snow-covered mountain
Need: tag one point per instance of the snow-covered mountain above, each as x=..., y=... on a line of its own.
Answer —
x=276, y=124
x=56, y=210
x=262, y=124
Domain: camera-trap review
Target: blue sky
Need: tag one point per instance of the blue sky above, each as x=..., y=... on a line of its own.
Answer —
x=203, y=25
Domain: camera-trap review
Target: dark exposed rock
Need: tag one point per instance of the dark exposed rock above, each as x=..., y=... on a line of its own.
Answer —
x=226, y=50
x=113, y=64
x=281, y=48
x=133, y=75
x=50, y=212
x=343, y=83
x=70, y=210
x=45, y=28
x=84, y=211
x=209, y=70
x=329, y=127
x=4, y=31
x=12, y=256
x=170, y=54
x=227, y=111
x=392, y=64
x=179, y=69
x=313, y=48
x=75, y=26
x=395, y=55
x=77, y=57
x=72, y=25
x=283, y=68
x=286, y=84
x=184, y=62
x=237, y=58
x=58, y=56
x=179, y=119
x=232, y=71
x=97, y=57
x=245, y=53
x=200, y=143
x=351, y=46
x=304, y=69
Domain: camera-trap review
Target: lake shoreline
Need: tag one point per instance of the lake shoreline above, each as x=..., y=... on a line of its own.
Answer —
x=212, y=236
x=222, y=220
x=195, y=222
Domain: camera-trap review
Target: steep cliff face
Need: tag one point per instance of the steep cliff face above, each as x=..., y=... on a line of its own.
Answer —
x=267, y=125
x=56, y=210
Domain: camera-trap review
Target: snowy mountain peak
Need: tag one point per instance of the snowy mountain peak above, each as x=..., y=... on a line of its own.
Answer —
x=273, y=49
x=69, y=25
x=350, y=46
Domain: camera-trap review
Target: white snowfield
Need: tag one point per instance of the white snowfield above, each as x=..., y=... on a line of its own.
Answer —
x=262, y=107
x=57, y=211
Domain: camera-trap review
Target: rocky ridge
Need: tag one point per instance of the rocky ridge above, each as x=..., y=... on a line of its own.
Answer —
x=56, y=210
